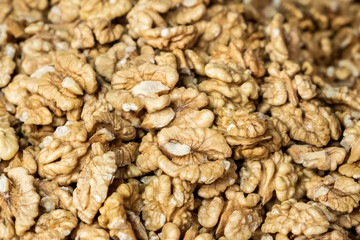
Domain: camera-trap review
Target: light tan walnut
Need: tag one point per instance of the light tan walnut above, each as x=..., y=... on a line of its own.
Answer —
x=340, y=95
x=339, y=193
x=27, y=158
x=209, y=212
x=170, y=231
x=187, y=12
x=104, y=8
x=7, y=67
x=65, y=11
x=53, y=196
x=192, y=154
x=181, y=37
x=189, y=60
x=8, y=141
x=71, y=78
x=143, y=83
x=186, y=103
x=304, y=176
x=104, y=31
x=83, y=36
x=277, y=46
x=350, y=142
x=220, y=185
x=295, y=217
x=93, y=182
x=90, y=231
x=304, y=86
x=113, y=60
x=120, y=213
x=19, y=203
x=20, y=88
x=272, y=174
x=167, y=200
x=57, y=224
x=111, y=122
x=33, y=110
x=241, y=215
x=311, y=123
x=59, y=158
x=231, y=95
x=320, y=158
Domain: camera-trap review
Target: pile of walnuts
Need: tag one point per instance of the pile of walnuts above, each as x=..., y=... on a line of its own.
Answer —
x=179, y=119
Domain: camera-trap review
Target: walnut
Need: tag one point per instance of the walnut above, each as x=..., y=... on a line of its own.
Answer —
x=53, y=196
x=56, y=224
x=167, y=200
x=187, y=12
x=65, y=84
x=83, y=36
x=188, y=60
x=26, y=159
x=295, y=217
x=144, y=84
x=64, y=11
x=105, y=32
x=310, y=123
x=120, y=213
x=93, y=182
x=112, y=61
x=231, y=95
x=106, y=9
x=304, y=86
x=275, y=173
x=33, y=110
x=170, y=231
x=181, y=37
x=19, y=203
x=221, y=184
x=7, y=67
x=350, y=140
x=340, y=95
x=111, y=122
x=241, y=215
x=339, y=193
x=209, y=211
x=20, y=88
x=87, y=231
x=186, y=104
x=59, y=158
x=8, y=141
x=185, y=153
x=321, y=158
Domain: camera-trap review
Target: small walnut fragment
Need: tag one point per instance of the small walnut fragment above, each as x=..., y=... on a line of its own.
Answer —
x=93, y=182
x=297, y=218
x=18, y=201
x=106, y=9
x=350, y=142
x=321, y=158
x=192, y=154
x=337, y=192
x=7, y=66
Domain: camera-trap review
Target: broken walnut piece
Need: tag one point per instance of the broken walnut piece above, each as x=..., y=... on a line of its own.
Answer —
x=337, y=192
x=8, y=65
x=18, y=201
x=209, y=211
x=27, y=158
x=107, y=9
